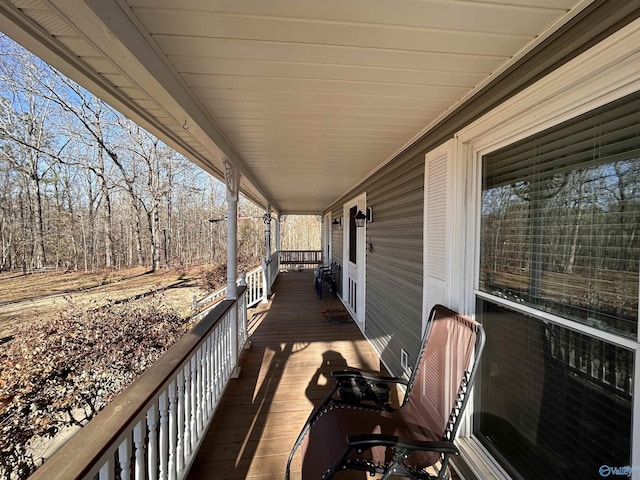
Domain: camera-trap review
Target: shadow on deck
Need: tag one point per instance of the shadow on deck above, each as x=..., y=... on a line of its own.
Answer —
x=284, y=374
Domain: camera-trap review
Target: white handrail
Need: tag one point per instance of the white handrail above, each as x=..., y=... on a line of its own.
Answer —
x=253, y=280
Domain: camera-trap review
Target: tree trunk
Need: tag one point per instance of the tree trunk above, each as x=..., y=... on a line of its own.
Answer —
x=571, y=258
x=138, y=233
x=154, y=227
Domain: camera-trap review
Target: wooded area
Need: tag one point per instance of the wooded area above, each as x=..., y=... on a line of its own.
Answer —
x=574, y=250
x=83, y=187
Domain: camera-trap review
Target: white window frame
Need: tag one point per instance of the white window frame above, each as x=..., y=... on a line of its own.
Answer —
x=606, y=72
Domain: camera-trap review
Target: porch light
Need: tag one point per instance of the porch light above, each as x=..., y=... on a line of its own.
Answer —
x=360, y=217
x=337, y=222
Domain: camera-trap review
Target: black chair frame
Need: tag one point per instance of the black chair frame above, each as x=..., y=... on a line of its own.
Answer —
x=362, y=391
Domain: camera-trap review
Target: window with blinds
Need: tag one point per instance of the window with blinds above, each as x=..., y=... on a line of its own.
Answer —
x=551, y=402
x=353, y=235
x=560, y=219
x=560, y=226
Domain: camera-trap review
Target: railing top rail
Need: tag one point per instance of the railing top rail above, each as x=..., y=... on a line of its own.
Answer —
x=300, y=251
x=250, y=272
x=80, y=454
x=300, y=256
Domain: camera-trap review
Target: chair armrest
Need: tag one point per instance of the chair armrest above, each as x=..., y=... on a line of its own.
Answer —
x=370, y=440
x=356, y=387
x=370, y=377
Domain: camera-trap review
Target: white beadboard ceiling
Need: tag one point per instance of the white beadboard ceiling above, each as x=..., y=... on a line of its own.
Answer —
x=305, y=97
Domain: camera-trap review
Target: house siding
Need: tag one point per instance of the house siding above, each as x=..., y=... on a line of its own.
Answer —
x=394, y=267
x=394, y=264
x=393, y=308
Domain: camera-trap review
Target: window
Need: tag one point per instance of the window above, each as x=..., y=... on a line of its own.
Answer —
x=560, y=226
x=561, y=219
x=552, y=402
x=353, y=235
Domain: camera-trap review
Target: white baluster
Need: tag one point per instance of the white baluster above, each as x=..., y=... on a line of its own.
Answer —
x=163, y=436
x=222, y=356
x=199, y=393
x=106, y=472
x=187, y=411
x=209, y=375
x=194, y=404
x=216, y=362
x=124, y=459
x=173, y=431
x=152, y=448
x=242, y=318
x=233, y=340
x=180, y=423
x=138, y=449
x=224, y=350
x=223, y=353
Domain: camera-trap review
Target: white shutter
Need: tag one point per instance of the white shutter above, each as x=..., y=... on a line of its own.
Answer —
x=437, y=225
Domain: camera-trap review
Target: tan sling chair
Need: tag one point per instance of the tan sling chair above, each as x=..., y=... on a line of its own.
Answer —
x=356, y=429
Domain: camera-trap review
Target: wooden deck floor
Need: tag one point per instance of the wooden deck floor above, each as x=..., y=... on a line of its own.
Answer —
x=284, y=374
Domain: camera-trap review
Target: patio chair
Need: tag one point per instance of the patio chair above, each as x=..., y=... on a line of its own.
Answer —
x=356, y=428
x=328, y=275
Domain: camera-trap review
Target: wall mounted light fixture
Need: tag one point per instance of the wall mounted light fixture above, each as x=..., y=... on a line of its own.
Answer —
x=337, y=222
x=361, y=218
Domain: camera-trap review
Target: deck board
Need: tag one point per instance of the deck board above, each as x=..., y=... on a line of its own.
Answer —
x=283, y=375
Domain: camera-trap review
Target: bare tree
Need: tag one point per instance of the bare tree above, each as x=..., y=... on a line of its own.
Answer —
x=82, y=186
x=23, y=123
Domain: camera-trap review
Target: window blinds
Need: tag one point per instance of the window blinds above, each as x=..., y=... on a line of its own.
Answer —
x=552, y=402
x=561, y=217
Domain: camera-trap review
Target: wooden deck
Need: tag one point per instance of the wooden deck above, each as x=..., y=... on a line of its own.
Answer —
x=284, y=374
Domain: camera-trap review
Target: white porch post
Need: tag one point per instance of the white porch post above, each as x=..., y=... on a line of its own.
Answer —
x=277, y=233
x=266, y=263
x=232, y=177
x=267, y=233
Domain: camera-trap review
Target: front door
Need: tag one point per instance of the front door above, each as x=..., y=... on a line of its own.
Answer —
x=353, y=275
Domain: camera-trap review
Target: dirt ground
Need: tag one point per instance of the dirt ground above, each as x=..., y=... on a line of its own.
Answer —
x=37, y=296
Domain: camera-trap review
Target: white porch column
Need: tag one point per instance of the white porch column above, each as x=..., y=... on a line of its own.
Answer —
x=277, y=247
x=266, y=264
x=232, y=177
x=266, y=218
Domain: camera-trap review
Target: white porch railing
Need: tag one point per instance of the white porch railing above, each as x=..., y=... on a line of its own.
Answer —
x=256, y=291
x=301, y=258
x=154, y=428
x=253, y=280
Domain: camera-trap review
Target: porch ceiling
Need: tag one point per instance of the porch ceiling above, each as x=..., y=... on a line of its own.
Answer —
x=306, y=97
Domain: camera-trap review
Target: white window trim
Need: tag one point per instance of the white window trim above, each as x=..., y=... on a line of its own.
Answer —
x=606, y=72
